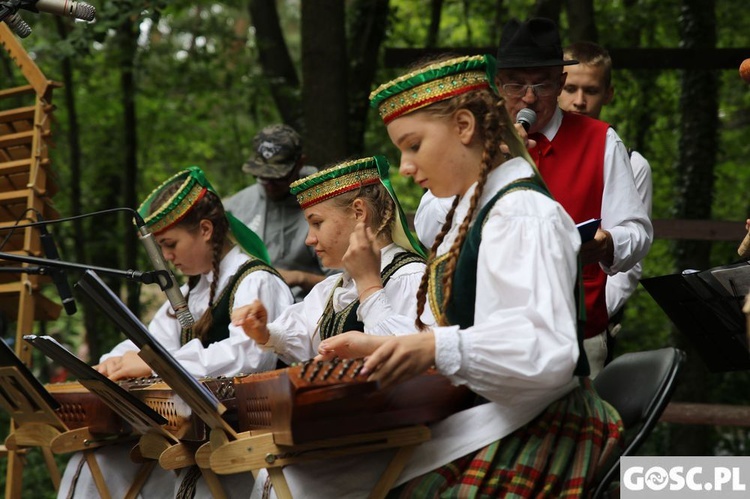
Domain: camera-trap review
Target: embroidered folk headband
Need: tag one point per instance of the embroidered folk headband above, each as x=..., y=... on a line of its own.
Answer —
x=351, y=175
x=433, y=83
x=193, y=186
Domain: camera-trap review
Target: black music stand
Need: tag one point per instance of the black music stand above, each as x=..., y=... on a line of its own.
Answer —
x=200, y=399
x=707, y=308
x=135, y=412
x=8, y=358
x=192, y=391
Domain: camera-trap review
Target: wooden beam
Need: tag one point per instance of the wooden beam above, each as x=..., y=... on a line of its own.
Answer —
x=706, y=414
x=622, y=58
x=699, y=230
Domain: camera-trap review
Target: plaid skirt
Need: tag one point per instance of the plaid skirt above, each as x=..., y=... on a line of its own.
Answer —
x=561, y=453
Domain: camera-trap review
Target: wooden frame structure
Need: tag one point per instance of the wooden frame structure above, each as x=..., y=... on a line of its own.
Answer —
x=26, y=189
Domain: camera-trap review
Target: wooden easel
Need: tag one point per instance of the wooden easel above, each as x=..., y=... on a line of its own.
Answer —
x=38, y=425
x=248, y=452
x=25, y=184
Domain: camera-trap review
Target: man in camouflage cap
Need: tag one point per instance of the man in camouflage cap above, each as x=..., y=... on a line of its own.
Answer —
x=272, y=212
x=278, y=156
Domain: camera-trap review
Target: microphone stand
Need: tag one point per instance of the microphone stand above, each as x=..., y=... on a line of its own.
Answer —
x=160, y=277
x=8, y=7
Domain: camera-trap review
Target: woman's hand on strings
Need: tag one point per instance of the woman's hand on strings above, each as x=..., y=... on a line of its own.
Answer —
x=129, y=365
x=400, y=358
x=349, y=345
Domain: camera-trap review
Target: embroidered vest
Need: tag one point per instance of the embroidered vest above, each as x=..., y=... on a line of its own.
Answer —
x=332, y=323
x=460, y=308
x=221, y=309
x=573, y=168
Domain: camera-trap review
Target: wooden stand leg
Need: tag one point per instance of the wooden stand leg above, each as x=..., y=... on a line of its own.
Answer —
x=140, y=478
x=96, y=474
x=214, y=485
x=392, y=472
x=14, y=475
x=279, y=483
x=54, y=471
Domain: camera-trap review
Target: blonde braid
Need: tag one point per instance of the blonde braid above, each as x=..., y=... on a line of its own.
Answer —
x=424, y=284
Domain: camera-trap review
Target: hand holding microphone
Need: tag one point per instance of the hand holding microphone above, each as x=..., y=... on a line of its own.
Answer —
x=526, y=118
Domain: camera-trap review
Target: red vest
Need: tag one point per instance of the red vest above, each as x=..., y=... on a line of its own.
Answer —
x=573, y=168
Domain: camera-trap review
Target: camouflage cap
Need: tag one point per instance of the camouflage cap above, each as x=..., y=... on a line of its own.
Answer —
x=277, y=149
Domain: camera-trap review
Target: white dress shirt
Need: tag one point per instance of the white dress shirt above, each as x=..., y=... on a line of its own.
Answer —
x=235, y=354
x=295, y=337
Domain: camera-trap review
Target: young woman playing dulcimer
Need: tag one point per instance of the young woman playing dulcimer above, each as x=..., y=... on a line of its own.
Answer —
x=355, y=224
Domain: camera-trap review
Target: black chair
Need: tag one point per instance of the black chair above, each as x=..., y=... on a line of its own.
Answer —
x=639, y=385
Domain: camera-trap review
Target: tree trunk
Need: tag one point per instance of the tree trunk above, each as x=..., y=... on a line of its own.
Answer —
x=127, y=36
x=324, y=76
x=436, y=9
x=275, y=59
x=581, y=25
x=697, y=158
x=367, y=28
x=549, y=8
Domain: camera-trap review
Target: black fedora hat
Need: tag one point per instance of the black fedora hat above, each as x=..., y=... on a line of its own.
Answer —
x=534, y=43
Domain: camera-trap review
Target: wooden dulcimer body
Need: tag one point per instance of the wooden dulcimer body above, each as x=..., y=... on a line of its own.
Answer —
x=80, y=408
x=319, y=400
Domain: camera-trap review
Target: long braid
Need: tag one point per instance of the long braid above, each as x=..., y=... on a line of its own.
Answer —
x=424, y=283
x=450, y=264
x=488, y=109
x=204, y=324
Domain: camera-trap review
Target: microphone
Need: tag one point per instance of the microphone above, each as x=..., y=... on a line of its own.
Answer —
x=17, y=25
x=169, y=286
x=58, y=275
x=65, y=8
x=526, y=117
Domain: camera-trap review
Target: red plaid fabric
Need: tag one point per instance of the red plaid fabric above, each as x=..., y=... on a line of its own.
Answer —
x=559, y=454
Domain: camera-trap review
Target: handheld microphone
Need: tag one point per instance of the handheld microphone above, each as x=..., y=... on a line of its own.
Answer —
x=65, y=8
x=526, y=117
x=58, y=275
x=17, y=25
x=170, y=287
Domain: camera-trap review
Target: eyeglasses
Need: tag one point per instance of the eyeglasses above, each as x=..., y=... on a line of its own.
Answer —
x=540, y=89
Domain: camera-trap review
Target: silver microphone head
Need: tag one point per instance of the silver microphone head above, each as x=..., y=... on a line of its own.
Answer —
x=76, y=10
x=84, y=11
x=18, y=25
x=526, y=117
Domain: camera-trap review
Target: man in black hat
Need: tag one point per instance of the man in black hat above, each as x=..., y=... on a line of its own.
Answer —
x=272, y=212
x=581, y=159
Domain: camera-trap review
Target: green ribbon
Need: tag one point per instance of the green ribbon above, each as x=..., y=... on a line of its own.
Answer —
x=192, y=175
x=400, y=234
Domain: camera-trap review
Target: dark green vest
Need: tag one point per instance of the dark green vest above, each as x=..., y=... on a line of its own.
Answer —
x=221, y=309
x=460, y=308
x=333, y=323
